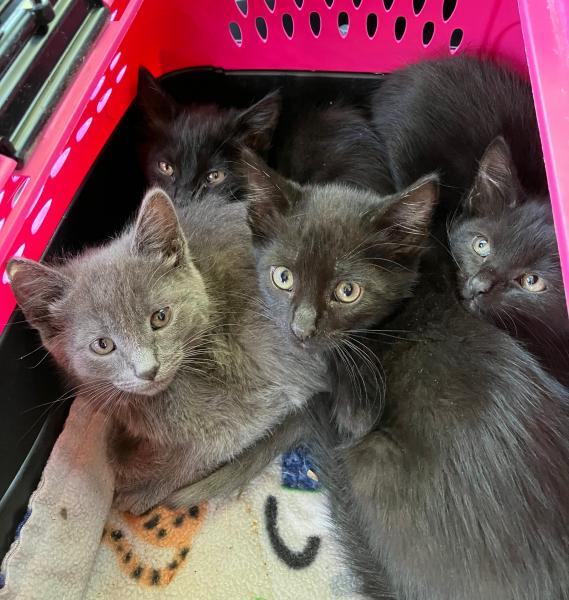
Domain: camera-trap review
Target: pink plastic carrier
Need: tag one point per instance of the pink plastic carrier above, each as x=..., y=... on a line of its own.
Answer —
x=291, y=35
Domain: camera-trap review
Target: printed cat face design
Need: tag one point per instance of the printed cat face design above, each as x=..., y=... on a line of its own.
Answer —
x=192, y=151
x=331, y=259
x=121, y=317
x=506, y=250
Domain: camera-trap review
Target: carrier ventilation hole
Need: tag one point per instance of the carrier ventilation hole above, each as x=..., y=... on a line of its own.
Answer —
x=288, y=25
x=448, y=9
x=388, y=4
x=261, y=26
x=400, y=25
x=242, y=5
x=343, y=24
x=329, y=3
x=235, y=32
x=270, y=4
x=455, y=39
x=418, y=6
x=299, y=3
x=371, y=24
x=315, y=23
x=428, y=32
x=357, y=3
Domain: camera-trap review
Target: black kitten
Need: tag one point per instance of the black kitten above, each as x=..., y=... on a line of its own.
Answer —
x=333, y=143
x=191, y=150
x=332, y=261
x=441, y=116
x=508, y=262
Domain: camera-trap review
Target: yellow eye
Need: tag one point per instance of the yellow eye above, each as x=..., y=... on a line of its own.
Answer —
x=347, y=292
x=532, y=282
x=166, y=168
x=214, y=178
x=102, y=346
x=481, y=246
x=161, y=318
x=282, y=278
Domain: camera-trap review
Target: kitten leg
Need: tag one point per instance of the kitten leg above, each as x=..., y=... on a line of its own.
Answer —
x=237, y=473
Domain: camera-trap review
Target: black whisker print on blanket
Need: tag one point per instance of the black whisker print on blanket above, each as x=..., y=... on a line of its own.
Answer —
x=292, y=558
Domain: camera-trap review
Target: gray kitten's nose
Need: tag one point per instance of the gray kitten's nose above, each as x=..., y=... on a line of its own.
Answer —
x=303, y=324
x=302, y=333
x=481, y=283
x=147, y=372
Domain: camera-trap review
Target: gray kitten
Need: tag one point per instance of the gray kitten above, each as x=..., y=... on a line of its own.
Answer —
x=165, y=333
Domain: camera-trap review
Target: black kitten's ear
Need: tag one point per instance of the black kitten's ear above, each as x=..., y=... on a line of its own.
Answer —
x=404, y=219
x=269, y=197
x=496, y=185
x=156, y=104
x=157, y=230
x=36, y=288
x=255, y=125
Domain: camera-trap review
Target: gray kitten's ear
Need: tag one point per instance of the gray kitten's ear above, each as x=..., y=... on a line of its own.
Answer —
x=496, y=185
x=36, y=288
x=156, y=104
x=404, y=219
x=269, y=197
x=256, y=124
x=157, y=229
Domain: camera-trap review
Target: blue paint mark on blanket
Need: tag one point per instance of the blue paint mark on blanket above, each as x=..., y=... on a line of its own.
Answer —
x=18, y=531
x=297, y=470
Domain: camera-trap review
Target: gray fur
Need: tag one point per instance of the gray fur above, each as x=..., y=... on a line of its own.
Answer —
x=225, y=377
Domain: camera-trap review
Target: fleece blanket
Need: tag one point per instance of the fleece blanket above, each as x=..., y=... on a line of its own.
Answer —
x=270, y=542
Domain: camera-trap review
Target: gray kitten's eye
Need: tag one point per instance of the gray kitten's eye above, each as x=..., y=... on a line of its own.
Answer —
x=347, y=292
x=215, y=177
x=102, y=346
x=282, y=278
x=166, y=168
x=532, y=282
x=481, y=246
x=161, y=317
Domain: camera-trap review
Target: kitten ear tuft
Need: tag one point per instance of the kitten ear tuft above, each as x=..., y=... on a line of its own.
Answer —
x=157, y=230
x=37, y=287
x=269, y=197
x=496, y=185
x=156, y=104
x=256, y=124
x=404, y=219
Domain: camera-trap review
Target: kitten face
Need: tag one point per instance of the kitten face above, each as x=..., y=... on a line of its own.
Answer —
x=192, y=151
x=124, y=316
x=509, y=265
x=505, y=246
x=333, y=260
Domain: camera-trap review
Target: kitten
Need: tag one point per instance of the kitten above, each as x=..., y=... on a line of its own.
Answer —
x=474, y=121
x=460, y=491
x=327, y=277
x=333, y=143
x=508, y=262
x=441, y=115
x=190, y=151
x=163, y=329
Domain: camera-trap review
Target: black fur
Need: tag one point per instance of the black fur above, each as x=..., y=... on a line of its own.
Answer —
x=199, y=139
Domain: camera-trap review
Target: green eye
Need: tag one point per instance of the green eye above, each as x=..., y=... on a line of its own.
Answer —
x=161, y=318
x=532, y=282
x=282, y=278
x=481, y=246
x=102, y=346
x=347, y=292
